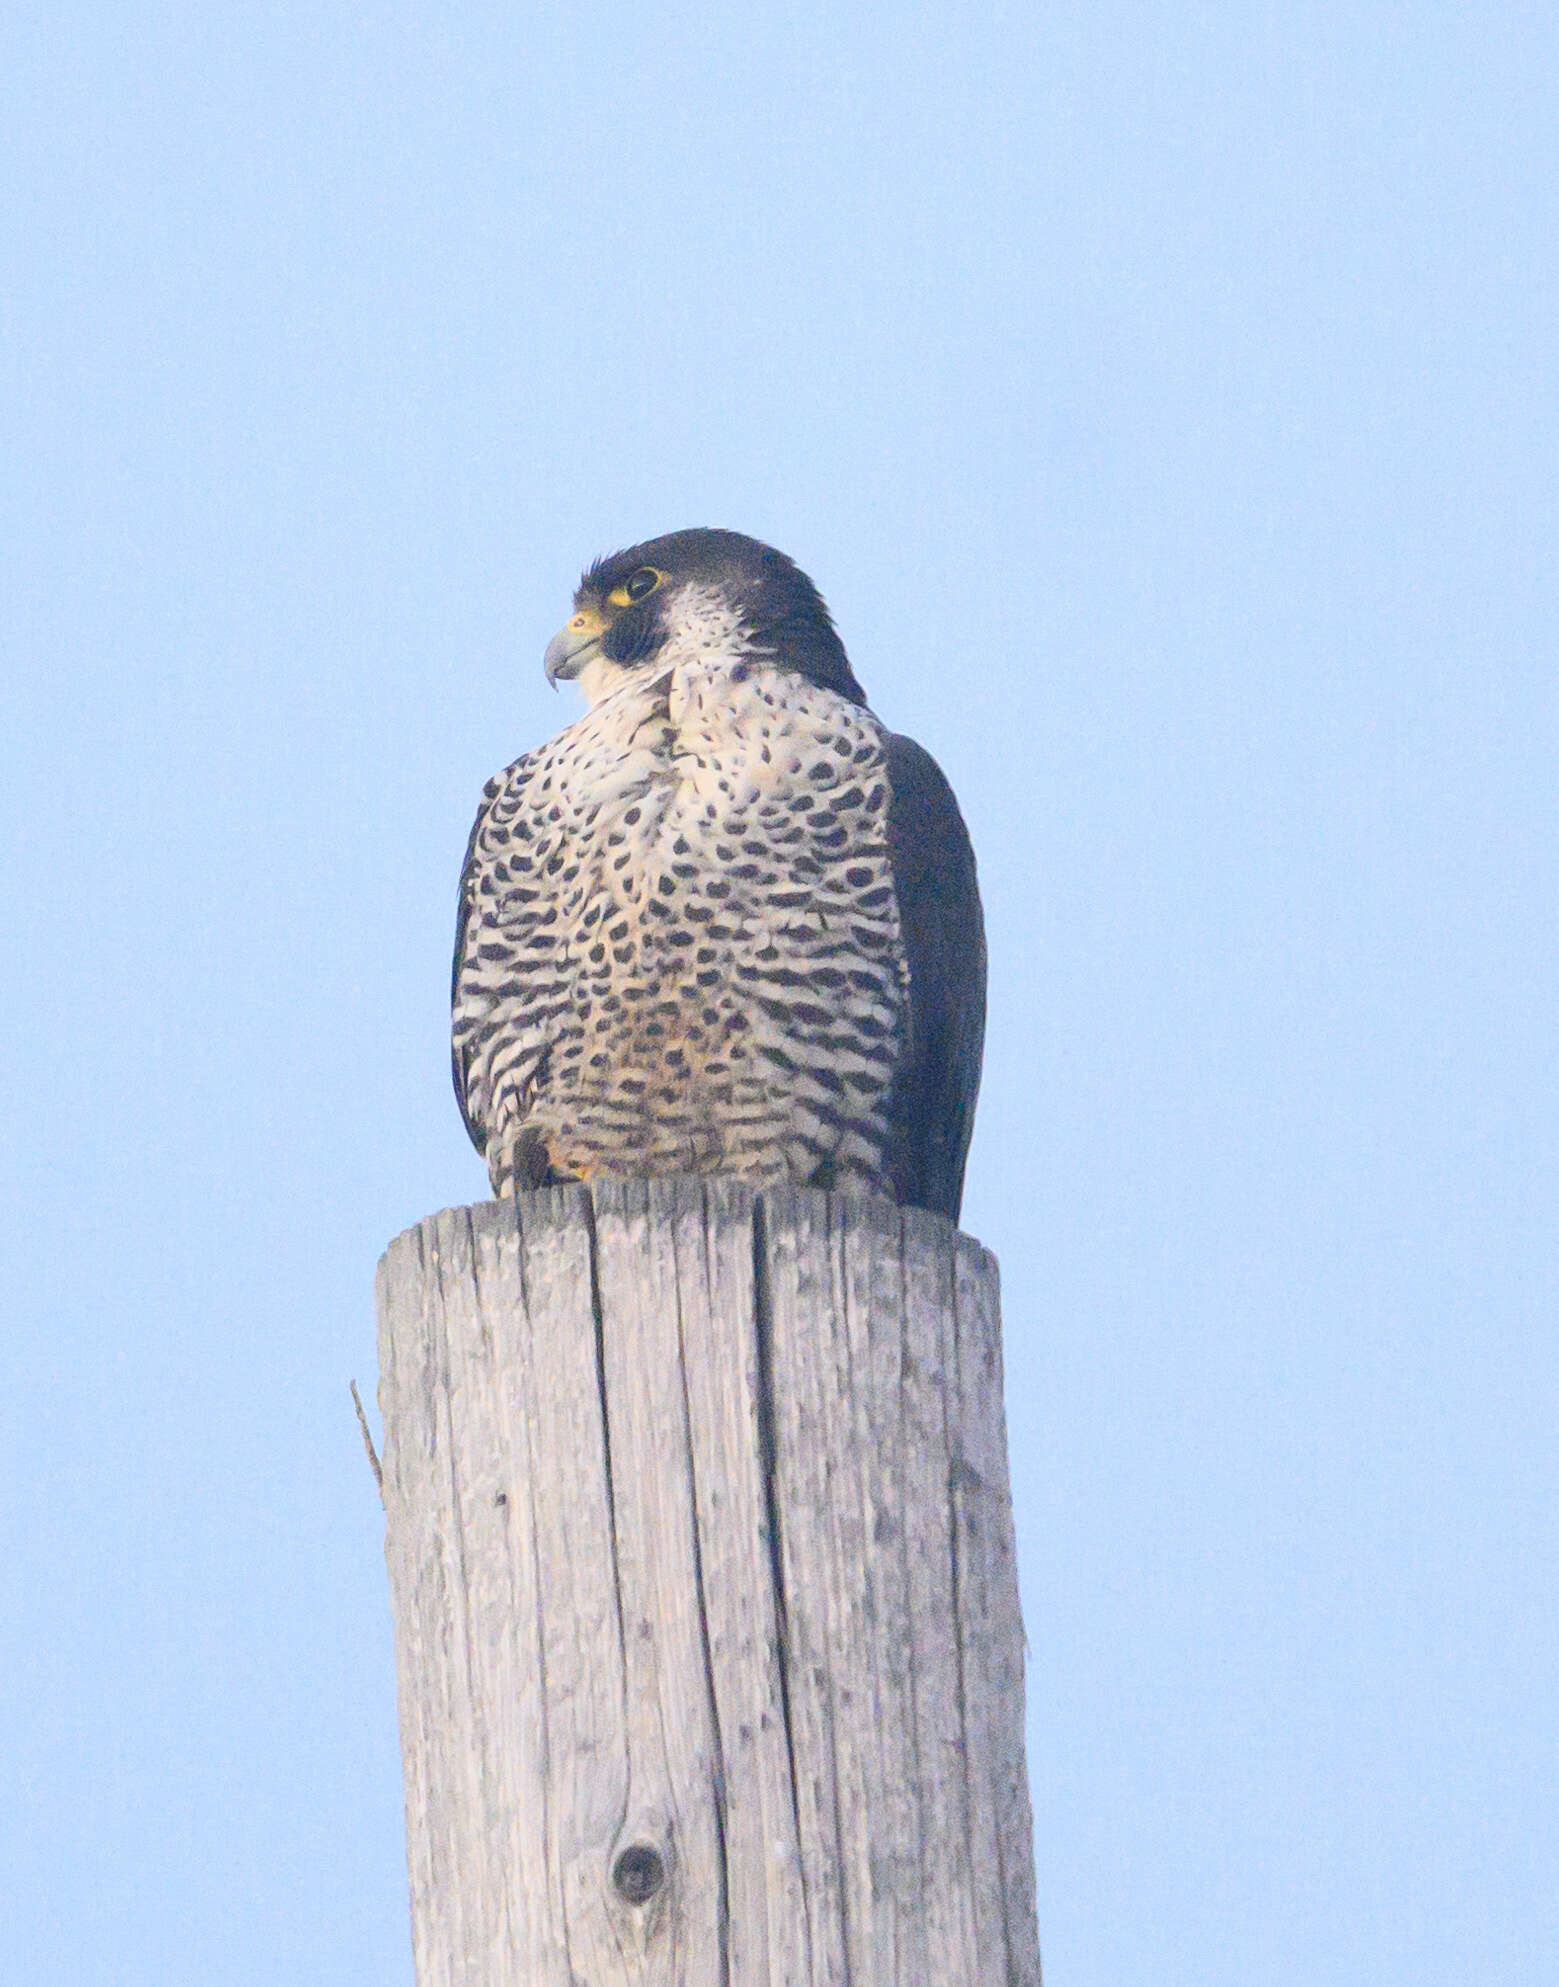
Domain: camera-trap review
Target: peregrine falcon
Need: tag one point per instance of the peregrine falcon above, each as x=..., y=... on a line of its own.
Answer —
x=725, y=922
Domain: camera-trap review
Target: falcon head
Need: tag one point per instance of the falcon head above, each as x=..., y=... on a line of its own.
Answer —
x=713, y=594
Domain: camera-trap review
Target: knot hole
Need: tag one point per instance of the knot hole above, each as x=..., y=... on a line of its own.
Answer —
x=638, y=1873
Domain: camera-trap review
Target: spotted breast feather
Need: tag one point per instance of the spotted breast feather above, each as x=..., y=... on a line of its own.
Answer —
x=725, y=922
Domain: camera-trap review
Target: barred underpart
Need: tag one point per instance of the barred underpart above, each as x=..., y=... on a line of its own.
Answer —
x=682, y=949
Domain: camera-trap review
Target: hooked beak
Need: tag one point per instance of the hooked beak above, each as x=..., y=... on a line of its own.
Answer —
x=573, y=646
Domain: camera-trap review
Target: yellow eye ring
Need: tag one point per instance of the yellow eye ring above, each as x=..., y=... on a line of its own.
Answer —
x=638, y=586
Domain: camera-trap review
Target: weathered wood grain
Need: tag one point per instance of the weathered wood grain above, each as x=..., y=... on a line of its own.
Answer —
x=707, y=1633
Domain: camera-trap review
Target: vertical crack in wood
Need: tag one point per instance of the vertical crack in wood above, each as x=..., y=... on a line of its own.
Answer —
x=708, y=1215
x=511, y=1233
x=971, y=1479
x=994, y=1791
x=763, y=1333
x=444, y=1415
x=953, y=1412
x=906, y=1241
x=419, y=1481
x=834, y=1228
x=954, y=1465
x=598, y=1308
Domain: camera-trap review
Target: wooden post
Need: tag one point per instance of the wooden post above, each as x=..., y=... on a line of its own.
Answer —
x=706, y=1612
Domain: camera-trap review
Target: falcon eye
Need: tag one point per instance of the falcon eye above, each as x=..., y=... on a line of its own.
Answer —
x=636, y=587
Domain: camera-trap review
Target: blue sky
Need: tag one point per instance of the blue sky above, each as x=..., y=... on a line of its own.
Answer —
x=1165, y=400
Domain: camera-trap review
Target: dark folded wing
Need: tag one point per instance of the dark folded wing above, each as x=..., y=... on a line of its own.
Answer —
x=944, y=938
